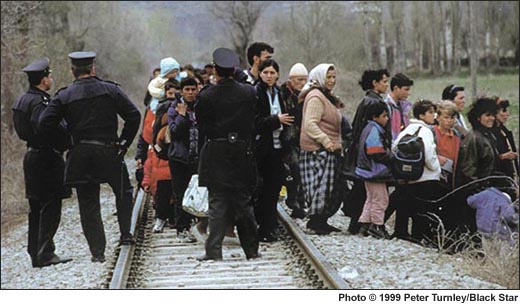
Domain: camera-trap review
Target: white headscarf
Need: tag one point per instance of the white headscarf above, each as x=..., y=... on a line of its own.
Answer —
x=317, y=76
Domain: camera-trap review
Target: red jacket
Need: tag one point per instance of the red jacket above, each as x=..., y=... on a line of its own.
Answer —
x=149, y=118
x=155, y=169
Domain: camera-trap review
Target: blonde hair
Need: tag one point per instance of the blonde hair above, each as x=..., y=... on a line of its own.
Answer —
x=446, y=106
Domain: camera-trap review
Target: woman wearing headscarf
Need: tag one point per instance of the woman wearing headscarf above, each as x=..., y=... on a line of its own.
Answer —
x=320, y=144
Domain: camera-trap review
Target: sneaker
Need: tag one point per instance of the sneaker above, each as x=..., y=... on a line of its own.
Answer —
x=186, y=237
x=159, y=225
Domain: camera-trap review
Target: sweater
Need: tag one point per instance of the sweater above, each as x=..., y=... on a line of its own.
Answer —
x=321, y=122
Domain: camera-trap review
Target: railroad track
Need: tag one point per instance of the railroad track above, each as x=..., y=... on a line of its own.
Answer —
x=161, y=261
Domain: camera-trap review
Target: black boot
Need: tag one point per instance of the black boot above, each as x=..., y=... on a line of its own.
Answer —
x=363, y=230
x=315, y=225
x=379, y=232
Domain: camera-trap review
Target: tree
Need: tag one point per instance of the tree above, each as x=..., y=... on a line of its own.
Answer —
x=241, y=18
x=473, y=51
x=18, y=18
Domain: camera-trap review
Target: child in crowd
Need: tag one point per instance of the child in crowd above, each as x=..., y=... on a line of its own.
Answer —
x=157, y=178
x=427, y=187
x=447, y=141
x=373, y=167
x=169, y=70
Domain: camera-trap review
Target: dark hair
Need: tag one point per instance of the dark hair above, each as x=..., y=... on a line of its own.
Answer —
x=156, y=70
x=78, y=70
x=371, y=75
x=189, y=67
x=269, y=63
x=36, y=78
x=481, y=106
x=375, y=109
x=224, y=72
x=209, y=65
x=422, y=106
x=400, y=80
x=502, y=103
x=188, y=81
x=450, y=91
x=256, y=49
x=199, y=77
x=171, y=83
x=240, y=75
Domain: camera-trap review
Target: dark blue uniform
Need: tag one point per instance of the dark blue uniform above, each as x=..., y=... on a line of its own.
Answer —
x=226, y=116
x=91, y=107
x=43, y=167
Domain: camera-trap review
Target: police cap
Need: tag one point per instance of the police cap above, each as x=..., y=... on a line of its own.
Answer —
x=39, y=66
x=82, y=58
x=225, y=58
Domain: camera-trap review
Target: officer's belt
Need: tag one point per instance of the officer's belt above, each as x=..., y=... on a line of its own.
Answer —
x=41, y=149
x=232, y=138
x=97, y=142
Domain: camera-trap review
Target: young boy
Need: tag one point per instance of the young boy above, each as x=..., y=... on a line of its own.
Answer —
x=447, y=141
x=427, y=187
x=373, y=167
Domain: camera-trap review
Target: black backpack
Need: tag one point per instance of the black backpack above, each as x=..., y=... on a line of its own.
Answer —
x=409, y=157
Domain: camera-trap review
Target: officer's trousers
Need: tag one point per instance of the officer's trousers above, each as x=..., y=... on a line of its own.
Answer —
x=90, y=211
x=227, y=207
x=270, y=169
x=44, y=219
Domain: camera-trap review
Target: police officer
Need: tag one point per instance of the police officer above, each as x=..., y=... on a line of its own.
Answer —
x=90, y=107
x=225, y=116
x=43, y=165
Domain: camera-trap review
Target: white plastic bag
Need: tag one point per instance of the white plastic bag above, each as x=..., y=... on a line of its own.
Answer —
x=195, y=200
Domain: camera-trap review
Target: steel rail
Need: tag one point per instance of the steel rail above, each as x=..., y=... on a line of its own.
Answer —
x=124, y=261
x=327, y=274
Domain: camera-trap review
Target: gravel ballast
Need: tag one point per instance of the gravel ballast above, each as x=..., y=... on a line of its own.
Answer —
x=80, y=273
x=364, y=262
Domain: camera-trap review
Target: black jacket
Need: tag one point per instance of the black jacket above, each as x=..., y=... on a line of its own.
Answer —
x=502, y=134
x=265, y=122
x=26, y=114
x=90, y=107
x=43, y=165
x=478, y=156
x=290, y=99
x=226, y=110
x=184, y=135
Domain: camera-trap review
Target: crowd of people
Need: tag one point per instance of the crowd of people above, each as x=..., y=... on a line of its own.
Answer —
x=247, y=136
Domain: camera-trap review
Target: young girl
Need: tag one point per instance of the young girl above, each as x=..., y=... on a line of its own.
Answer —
x=447, y=141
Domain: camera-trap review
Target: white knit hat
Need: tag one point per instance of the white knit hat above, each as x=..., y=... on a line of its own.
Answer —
x=298, y=70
